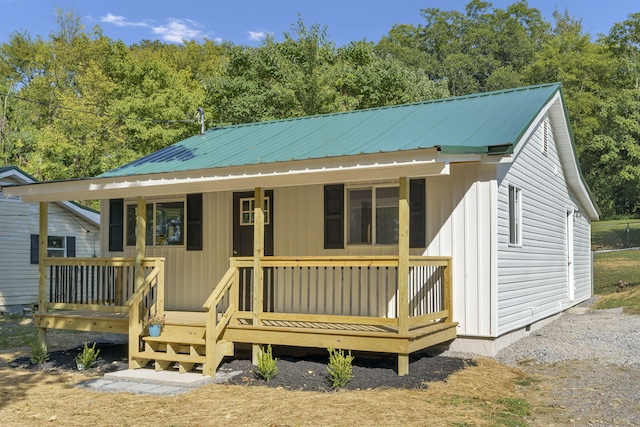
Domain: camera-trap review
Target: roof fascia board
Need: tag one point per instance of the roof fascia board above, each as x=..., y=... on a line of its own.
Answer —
x=366, y=167
x=569, y=157
x=566, y=149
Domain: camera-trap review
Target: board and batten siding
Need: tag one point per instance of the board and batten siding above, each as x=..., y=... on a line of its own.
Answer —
x=533, y=277
x=18, y=221
x=460, y=212
x=190, y=276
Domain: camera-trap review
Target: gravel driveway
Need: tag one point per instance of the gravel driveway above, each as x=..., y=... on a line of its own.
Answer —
x=589, y=365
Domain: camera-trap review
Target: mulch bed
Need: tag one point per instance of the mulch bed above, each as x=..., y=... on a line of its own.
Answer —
x=298, y=368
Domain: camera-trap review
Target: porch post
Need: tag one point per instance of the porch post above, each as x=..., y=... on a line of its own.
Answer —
x=43, y=245
x=403, y=270
x=258, y=252
x=141, y=239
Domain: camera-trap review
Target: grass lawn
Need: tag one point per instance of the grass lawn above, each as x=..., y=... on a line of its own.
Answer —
x=615, y=234
x=609, y=269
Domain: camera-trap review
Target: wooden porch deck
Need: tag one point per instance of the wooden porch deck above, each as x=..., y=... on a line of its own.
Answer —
x=279, y=308
x=183, y=340
x=84, y=320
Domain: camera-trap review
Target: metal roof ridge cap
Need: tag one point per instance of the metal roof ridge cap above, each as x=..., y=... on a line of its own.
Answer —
x=385, y=107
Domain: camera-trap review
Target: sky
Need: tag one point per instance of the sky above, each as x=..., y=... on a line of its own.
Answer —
x=247, y=22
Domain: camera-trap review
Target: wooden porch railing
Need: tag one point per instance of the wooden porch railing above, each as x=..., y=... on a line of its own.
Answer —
x=347, y=286
x=146, y=301
x=224, y=293
x=96, y=284
x=330, y=290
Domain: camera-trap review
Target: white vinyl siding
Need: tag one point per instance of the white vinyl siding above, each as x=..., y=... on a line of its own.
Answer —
x=18, y=221
x=532, y=279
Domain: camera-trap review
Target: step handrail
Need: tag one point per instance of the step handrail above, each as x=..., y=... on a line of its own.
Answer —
x=136, y=318
x=215, y=327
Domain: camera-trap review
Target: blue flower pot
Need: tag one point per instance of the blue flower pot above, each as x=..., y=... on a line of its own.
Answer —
x=154, y=330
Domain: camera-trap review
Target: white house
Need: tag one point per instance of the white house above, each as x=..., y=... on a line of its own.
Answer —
x=74, y=231
x=485, y=187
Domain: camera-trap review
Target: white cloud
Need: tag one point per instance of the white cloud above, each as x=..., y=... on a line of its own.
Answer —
x=256, y=36
x=121, y=21
x=178, y=30
x=174, y=31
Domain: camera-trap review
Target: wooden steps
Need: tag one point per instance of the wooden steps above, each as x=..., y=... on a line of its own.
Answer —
x=178, y=344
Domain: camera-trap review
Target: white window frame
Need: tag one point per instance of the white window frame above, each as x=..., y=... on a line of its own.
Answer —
x=248, y=219
x=62, y=250
x=515, y=215
x=374, y=206
x=154, y=204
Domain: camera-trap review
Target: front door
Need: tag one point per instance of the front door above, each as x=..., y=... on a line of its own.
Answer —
x=243, y=211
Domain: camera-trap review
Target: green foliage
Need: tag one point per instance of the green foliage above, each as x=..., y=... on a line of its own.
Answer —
x=95, y=103
x=39, y=353
x=267, y=365
x=88, y=356
x=340, y=367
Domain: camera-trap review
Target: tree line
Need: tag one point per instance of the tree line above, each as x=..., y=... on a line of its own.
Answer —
x=79, y=103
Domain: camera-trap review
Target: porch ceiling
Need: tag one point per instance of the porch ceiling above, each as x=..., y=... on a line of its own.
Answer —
x=417, y=163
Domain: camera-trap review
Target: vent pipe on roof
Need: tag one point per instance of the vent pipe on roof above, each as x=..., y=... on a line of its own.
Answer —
x=201, y=119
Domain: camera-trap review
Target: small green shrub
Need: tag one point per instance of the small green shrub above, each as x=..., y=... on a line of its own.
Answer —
x=39, y=353
x=340, y=368
x=267, y=365
x=87, y=357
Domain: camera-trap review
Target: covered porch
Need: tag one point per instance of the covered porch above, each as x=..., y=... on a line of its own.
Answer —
x=394, y=304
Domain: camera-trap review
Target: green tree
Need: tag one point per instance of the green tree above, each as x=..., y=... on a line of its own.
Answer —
x=613, y=155
x=585, y=70
x=468, y=48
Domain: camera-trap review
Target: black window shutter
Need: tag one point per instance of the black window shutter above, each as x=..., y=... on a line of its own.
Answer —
x=35, y=248
x=116, y=225
x=418, y=214
x=194, y=222
x=71, y=247
x=334, y=216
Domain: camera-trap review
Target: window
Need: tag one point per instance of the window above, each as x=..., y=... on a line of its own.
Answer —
x=364, y=228
x=247, y=205
x=57, y=247
x=132, y=212
x=515, y=215
x=355, y=213
x=165, y=224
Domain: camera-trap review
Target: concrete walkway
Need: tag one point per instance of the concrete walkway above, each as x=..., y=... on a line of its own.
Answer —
x=149, y=381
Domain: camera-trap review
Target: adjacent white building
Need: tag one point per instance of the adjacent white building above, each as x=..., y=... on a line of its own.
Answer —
x=74, y=231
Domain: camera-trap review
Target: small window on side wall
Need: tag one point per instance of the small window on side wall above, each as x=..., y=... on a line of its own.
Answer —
x=515, y=215
x=57, y=247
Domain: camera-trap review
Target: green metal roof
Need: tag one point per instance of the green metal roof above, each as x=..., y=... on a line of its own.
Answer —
x=484, y=123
